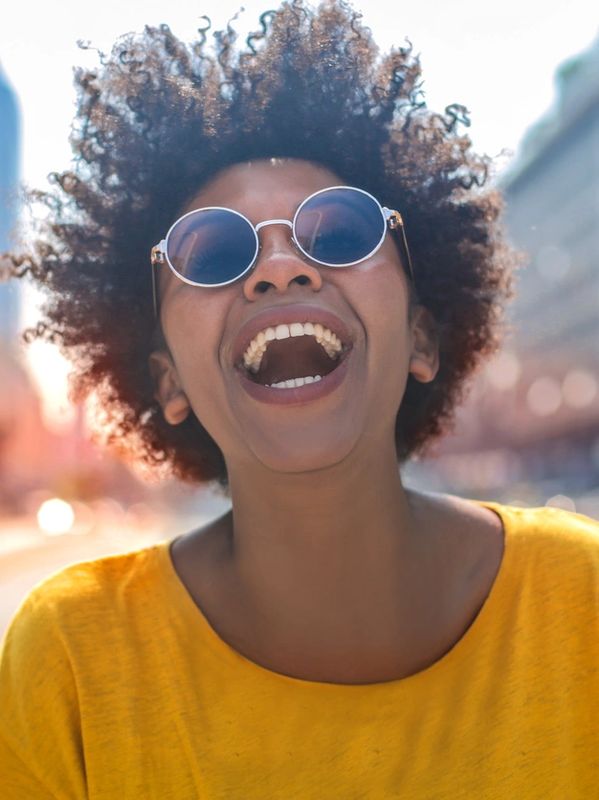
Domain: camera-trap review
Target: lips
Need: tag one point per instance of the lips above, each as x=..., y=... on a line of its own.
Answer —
x=286, y=314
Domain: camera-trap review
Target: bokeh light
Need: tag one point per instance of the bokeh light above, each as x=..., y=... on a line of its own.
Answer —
x=504, y=371
x=561, y=501
x=579, y=388
x=55, y=517
x=544, y=396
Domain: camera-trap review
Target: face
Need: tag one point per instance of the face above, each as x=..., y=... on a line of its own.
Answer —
x=199, y=371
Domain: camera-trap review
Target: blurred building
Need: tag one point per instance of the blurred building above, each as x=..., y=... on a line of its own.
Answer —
x=533, y=416
x=9, y=185
x=33, y=456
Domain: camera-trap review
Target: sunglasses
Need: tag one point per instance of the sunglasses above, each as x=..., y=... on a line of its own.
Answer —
x=337, y=227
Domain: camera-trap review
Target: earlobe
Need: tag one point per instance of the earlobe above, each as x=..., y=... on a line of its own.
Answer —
x=170, y=395
x=176, y=409
x=424, y=358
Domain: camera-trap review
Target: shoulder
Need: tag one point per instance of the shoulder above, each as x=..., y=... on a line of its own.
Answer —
x=80, y=595
x=70, y=626
x=555, y=553
x=90, y=578
x=78, y=616
x=551, y=531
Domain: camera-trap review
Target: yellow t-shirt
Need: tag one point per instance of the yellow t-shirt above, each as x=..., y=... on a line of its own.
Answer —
x=114, y=685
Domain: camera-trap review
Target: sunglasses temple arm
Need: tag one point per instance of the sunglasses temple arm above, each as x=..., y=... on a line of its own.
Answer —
x=156, y=258
x=409, y=257
x=395, y=221
x=154, y=298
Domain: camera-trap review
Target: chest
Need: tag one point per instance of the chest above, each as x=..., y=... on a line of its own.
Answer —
x=203, y=735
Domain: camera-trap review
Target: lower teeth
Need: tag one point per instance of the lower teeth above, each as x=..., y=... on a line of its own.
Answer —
x=293, y=382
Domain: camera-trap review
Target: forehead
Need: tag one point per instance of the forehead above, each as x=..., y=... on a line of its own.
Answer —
x=286, y=180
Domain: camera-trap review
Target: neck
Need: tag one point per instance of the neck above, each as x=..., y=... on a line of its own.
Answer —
x=330, y=557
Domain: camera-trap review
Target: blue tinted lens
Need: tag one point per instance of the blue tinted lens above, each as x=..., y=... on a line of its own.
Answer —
x=211, y=246
x=339, y=226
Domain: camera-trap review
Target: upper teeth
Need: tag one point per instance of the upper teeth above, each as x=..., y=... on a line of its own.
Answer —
x=252, y=358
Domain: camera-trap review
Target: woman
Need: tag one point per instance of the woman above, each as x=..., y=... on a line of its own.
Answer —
x=336, y=634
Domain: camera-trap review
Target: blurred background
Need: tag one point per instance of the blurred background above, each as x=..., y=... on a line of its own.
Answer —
x=528, y=434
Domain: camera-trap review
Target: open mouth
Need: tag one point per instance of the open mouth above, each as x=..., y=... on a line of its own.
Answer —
x=293, y=361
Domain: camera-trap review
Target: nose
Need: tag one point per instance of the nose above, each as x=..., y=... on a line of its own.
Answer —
x=279, y=263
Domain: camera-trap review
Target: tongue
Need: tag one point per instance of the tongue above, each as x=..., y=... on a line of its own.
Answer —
x=296, y=357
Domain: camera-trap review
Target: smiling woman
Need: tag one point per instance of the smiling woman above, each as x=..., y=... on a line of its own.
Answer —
x=159, y=119
x=277, y=270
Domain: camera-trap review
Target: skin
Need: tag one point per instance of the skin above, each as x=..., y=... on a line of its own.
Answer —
x=327, y=568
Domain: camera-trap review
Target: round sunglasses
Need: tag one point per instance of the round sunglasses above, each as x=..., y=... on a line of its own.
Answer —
x=337, y=227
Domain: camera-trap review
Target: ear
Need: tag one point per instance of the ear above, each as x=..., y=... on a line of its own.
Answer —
x=170, y=395
x=424, y=358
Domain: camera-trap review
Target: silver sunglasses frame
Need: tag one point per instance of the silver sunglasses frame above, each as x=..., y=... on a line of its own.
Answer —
x=392, y=220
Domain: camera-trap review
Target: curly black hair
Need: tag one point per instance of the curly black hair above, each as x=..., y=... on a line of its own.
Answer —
x=158, y=118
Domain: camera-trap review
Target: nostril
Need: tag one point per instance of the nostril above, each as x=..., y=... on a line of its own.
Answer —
x=262, y=286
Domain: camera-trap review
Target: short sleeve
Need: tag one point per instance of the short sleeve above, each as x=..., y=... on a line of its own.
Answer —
x=41, y=752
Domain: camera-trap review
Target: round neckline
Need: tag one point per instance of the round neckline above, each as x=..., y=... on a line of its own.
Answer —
x=195, y=618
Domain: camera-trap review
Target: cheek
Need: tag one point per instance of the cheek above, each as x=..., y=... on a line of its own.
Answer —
x=381, y=301
x=194, y=330
x=379, y=296
x=192, y=325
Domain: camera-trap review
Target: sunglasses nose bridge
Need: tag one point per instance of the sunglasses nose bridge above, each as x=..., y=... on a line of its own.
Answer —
x=275, y=239
x=261, y=225
x=279, y=263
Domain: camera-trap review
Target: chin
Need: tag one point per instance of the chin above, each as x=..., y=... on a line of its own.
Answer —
x=305, y=454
